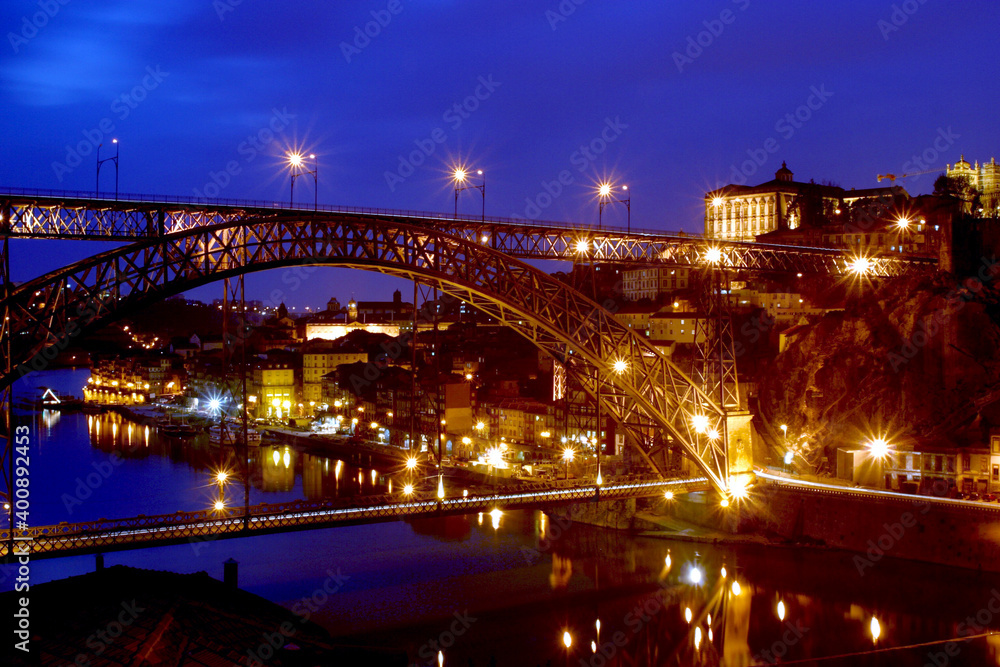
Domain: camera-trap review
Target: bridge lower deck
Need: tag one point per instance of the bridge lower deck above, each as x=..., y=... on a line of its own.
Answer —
x=67, y=539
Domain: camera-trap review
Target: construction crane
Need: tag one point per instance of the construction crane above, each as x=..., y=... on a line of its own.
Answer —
x=893, y=177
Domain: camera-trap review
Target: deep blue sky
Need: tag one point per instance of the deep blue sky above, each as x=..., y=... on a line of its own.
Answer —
x=221, y=78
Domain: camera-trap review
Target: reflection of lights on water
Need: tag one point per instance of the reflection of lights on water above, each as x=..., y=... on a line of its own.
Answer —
x=495, y=515
x=114, y=430
x=708, y=619
x=287, y=458
x=480, y=518
x=390, y=486
x=440, y=487
x=338, y=468
x=876, y=630
x=723, y=572
x=781, y=610
x=465, y=493
x=687, y=614
x=275, y=456
x=697, y=637
x=736, y=588
x=361, y=477
x=146, y=436
x=667, y=562
x=593, y=646
x=440, y=658
x=694, y=576
x=710, y=634
x=374, y=476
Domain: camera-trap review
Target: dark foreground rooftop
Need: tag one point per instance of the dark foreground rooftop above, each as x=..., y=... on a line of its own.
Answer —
x=127, y=616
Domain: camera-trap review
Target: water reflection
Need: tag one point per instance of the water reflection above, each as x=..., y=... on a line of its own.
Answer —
x=274, y=468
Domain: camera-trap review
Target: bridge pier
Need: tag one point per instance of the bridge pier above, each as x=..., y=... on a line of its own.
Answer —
x=739, y=448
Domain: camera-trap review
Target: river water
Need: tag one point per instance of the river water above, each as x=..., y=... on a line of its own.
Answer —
x=509, y=593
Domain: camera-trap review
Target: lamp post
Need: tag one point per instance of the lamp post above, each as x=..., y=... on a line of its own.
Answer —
x=460, y=176
x=784, y=430
x=114, y=158
x=568, y=455
x=296, y=163
x=606, y=196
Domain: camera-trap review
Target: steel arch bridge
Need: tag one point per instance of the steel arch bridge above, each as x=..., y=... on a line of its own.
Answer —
x=632, y=380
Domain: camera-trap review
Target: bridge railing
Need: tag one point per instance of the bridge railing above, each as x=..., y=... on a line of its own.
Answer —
x=265, y=514
x=327, y=208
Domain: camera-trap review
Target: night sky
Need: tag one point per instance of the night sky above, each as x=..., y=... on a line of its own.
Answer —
x=670, y=98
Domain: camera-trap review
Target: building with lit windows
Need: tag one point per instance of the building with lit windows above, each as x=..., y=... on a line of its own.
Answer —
x=985, y=178
x=653, y=282
x=273, y=387
x=742, y=213
x=319, y=357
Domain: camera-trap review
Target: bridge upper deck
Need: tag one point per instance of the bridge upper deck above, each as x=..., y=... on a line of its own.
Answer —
x=41, y=214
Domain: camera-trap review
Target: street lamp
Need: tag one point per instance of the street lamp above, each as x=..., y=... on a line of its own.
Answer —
x=460, y=177
x=605, y=196
x=296, y=162
x=784, y=431
x=568, y=455
x=97, y=189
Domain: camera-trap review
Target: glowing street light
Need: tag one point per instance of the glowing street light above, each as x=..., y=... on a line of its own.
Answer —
x=605, y=195
x=669, y=495
x=713, y=255
x=620, y=365
x=583, y=246
x=879, y=448
x=567, y=456
x=411, y=463
x=903, y=223
x=860, y=266
x=460, y=176
x=114, y=159
x=699, y=423
x=408, y=490
x=296, y=162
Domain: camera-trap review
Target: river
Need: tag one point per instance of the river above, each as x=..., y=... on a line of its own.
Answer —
x=506, y=593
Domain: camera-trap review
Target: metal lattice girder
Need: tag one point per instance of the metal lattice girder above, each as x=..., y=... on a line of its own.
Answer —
x=639, y=380
x=144, y=531
x=61, y=217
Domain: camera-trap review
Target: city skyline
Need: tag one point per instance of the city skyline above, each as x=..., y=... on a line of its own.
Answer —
x=873, y=87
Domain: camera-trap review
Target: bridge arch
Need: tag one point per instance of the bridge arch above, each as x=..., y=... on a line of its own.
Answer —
x=633, y=380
